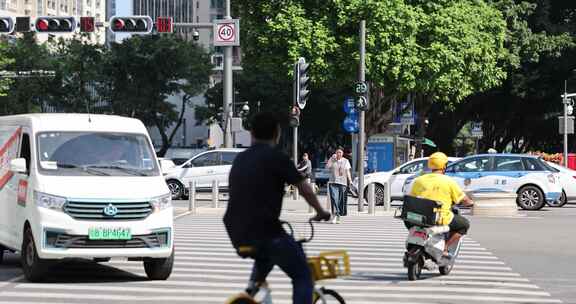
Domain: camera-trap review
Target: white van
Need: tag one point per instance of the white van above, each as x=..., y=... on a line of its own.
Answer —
x=82, y=186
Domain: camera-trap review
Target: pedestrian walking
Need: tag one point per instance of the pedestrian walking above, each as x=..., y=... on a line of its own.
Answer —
x=340, y=177
x=305, y=167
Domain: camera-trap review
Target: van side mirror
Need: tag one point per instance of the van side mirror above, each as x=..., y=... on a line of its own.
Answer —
x=18, y=165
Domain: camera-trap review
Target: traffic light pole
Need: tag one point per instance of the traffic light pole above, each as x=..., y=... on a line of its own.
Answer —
x=227, y=87
x=565, y=102
x=362, y=118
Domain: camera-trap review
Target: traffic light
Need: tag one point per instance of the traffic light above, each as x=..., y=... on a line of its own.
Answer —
x=6, y=25
x=301, y=82
x=87, y=24
x=164, y=25
x=22, y=24
x=131, y=24
x=55, y=24
x=294, y=120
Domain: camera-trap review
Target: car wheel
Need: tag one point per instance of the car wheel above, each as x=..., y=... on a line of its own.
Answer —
x=530, y=198
x=560, y=202
x=1, y=254
x=176, y=189
x=159, y=269
x=378, y=194
x=33, y=266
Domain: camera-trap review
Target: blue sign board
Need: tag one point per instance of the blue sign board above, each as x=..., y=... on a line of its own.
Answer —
x=350, y=105
x=404, y=113
x=350, y=123
x=380, y=153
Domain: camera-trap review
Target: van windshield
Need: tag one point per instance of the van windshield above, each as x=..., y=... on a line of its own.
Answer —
x=95, y=153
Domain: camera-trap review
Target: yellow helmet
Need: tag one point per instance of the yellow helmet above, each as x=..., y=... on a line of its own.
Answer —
x=437, y=161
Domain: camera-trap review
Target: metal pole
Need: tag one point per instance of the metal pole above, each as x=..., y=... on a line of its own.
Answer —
x=215, y=194
x=192, y=198
x=227, y=86
x=565, y=102
x=354, y=154
x=371, y=202
x=361, y=133
x=295, y=154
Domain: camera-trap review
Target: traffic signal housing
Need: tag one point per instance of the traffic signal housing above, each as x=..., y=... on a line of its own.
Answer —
x=87, y=25
x=294, y=120
x=301, y=80
x=49, y=24
x=6, y=25
x=131, y=24
x=164, y=25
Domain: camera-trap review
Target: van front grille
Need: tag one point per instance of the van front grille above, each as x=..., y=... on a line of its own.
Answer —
x=108, y=210
x=66, y=241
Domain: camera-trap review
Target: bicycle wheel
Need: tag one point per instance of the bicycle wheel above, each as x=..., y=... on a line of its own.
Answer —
x=328, y=296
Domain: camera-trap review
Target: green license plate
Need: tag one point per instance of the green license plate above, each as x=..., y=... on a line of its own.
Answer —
x=102, y=233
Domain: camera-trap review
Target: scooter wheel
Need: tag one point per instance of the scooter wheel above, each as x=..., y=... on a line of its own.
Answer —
x=444, y=270
x=414, y=270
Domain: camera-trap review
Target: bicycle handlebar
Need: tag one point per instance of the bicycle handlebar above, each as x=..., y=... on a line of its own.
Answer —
x=304, y=240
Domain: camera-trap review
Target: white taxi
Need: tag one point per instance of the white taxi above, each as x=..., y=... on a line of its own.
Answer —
x=527, y=175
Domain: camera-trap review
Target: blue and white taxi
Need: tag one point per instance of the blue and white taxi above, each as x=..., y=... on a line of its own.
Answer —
x=527, y=175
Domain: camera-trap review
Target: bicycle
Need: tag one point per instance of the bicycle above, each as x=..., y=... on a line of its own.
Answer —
x=327, y=265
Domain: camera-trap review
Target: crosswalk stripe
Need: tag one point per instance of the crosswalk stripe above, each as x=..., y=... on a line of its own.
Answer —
x=339, y=282
x=207, y=270
x=380, y=296
x=286, y=288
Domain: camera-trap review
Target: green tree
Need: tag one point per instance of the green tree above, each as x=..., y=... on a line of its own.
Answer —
x=4, y=62
x=520, y=111
x=143, y=71
x=441, y=51
x=26, y=94
x=79, y=72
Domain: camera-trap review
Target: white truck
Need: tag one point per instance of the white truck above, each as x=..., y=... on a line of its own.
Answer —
x=82, y=186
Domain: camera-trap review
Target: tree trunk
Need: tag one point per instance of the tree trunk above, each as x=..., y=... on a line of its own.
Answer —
x=167, y=140
x=422, y=106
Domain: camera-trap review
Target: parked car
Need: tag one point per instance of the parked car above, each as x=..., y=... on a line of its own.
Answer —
x=181, y=155
x=395, y=178
x=166, y=164
x=568, y=183
x=321, y=174
x=528, y=176
x=202, y=169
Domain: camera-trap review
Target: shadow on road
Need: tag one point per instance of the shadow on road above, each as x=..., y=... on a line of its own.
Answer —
x=388, y=277
x=71, y=271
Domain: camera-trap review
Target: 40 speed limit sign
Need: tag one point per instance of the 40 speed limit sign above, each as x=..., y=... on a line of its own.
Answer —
x=227, y=32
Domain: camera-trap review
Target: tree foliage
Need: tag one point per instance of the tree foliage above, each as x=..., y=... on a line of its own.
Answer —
x=143, y=71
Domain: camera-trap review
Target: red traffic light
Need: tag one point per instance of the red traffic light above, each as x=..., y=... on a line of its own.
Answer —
x=164, y=25
x=131, y=24
x=87, y=24
x=55, y=24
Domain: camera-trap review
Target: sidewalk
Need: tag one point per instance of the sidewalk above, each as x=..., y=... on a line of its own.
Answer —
x=290, y=206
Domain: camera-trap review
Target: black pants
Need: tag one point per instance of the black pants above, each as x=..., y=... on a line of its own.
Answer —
x=459, y=224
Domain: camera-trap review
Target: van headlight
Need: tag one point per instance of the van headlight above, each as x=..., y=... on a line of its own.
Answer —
x=161, y=202
x=49, y=201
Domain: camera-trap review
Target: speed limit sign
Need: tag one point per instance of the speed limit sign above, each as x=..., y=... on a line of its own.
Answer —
x=226, y=32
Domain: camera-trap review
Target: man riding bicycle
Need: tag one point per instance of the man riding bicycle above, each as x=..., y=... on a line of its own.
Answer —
x=441, y=188
x=256, y=185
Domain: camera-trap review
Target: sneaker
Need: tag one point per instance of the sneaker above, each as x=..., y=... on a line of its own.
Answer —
x=334, y=220
x=338, y=220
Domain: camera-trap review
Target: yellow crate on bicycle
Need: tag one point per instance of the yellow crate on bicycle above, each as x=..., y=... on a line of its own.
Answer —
x=329, y=265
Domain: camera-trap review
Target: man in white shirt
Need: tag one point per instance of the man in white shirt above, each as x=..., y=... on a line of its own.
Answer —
x=339, y=168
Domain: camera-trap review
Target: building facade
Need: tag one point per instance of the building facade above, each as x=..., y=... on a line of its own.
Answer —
x=189, y=11
x=76, y=8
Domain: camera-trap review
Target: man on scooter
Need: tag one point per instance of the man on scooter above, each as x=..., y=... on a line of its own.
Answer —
x=441, y=188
